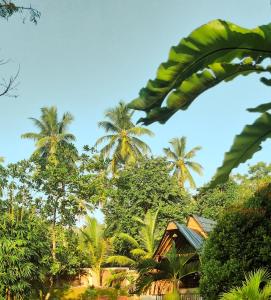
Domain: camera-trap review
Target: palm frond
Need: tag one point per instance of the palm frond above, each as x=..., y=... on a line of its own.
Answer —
x=141, y=145
x=138, y=252
x=128, y=238
x=120, y=260
x=196, y=167
x=138, y=131
x=108, y=126
x=192, y=152
x=170, y=154
x=31, y=135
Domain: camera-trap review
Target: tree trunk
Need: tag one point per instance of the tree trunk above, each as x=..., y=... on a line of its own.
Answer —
x=54, y=235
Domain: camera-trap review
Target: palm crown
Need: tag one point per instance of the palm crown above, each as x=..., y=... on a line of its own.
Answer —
x=182, y=161
x=145, y=247
x=123, y=139
x=52, y=132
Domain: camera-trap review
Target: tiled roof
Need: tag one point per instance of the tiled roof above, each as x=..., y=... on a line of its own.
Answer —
x=206, y=224
x=191, y=236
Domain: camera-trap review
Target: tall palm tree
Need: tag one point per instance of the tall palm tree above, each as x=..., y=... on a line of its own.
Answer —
x=145, y=247
x=123, y=141
x=52, y=132
x=257, y=286
x=172, y=269
x=181, y=161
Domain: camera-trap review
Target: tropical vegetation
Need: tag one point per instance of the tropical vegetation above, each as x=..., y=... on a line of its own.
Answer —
x=181, y=161
x=239, y=244
x=257, y=285
x=215, y=52
x=173, y=268
x=144, y=246
x=123, y=140
x=53, y=133
x=49, y=237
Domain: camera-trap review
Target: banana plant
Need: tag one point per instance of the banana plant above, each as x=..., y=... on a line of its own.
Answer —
x=215, y=52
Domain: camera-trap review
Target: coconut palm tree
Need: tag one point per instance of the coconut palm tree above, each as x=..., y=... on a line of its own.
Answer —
x=257, y=286
x=52, y=132
x=181, y=161
x=123, y=141
x=173, y=269
x=145, y=247
x=95, y=245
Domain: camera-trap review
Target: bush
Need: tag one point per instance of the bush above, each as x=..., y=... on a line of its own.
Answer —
x=94, y=293
x=240, y=243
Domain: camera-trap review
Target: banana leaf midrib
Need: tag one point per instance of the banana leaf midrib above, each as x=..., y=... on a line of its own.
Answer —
x=193, y=66
x=217, y=81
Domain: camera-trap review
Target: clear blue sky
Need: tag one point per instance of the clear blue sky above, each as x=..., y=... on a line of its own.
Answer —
x=86, y=55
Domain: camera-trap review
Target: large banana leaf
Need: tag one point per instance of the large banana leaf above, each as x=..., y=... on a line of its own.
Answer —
x=214, y=52
x=244, y=146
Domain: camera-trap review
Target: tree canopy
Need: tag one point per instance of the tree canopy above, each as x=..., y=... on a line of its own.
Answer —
x=239, y=243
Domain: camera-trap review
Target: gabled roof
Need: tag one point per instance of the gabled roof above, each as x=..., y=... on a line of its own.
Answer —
x=194, y=232
x=206, y=224
x=194, y=239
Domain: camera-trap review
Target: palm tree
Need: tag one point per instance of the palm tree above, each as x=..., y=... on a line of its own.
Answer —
x=52, y=132
x=146, y=246
x=95, y=244
x=181, y=161
x=173, y=269
x=257, y=286
x=123, y=139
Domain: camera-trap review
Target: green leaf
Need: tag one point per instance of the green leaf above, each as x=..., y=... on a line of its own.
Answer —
x=217, y=51
x=120, y=260
x=261, y=108
x=244, y=146
x=266, y=81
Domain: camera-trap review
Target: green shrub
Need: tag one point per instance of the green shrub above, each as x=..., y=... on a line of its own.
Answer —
x=240, y=243
x=93, y=293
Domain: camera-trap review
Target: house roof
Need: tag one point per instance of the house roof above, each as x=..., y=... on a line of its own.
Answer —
x=191, y=236
x=206, y=224
x=194, y=234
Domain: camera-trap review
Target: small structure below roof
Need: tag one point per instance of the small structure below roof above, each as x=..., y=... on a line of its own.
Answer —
x=188, y=239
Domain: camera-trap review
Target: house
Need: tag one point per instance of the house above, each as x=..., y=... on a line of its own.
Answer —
x=188, y=239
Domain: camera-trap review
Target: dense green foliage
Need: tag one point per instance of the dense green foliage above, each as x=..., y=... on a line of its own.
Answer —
x=215, y=52
x=239, y=243
x=257, y=286
x=143, y=187
x=212, y=203
x=24, y=252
